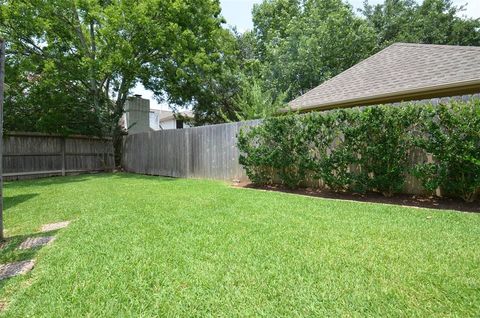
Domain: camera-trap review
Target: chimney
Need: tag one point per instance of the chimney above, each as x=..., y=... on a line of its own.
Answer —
x=137, y=114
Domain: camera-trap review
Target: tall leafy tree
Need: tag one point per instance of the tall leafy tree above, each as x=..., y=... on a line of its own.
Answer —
x=254, y=102
x=73, y=62
x=272, y=20
x=304, y=43
x=205, y=82
x=429, y=22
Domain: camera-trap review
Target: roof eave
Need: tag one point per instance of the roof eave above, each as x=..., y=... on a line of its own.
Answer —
x=451, y=89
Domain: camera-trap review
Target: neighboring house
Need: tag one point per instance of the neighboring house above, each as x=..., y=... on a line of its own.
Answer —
x=140, y=118
x=401, y=72
x=165, y=119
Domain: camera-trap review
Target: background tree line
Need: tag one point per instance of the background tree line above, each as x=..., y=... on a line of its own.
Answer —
x=72, y=63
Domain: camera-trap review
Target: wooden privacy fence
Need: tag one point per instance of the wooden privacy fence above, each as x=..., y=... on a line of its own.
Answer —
x=34, y=155
x=208, y=152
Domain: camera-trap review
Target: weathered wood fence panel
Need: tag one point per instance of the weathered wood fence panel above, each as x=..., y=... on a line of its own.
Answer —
x=33, y=155
x=208, y=152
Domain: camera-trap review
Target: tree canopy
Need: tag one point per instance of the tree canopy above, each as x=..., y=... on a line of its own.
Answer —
x=72, y=63
x=430, y=22
x=309, y=42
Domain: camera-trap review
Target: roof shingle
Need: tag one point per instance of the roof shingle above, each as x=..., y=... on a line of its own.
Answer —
x=397, y=73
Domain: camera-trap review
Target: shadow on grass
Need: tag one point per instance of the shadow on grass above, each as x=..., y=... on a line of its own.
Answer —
x=136, y=176
x=49, y=181
x=10, y=253
x=59, y=180
x=11, y=201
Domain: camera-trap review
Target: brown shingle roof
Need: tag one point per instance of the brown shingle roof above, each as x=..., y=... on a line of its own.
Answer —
x=399, y=72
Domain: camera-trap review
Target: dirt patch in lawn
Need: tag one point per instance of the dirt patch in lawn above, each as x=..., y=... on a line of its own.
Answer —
x=399, y=199
x=54, y=226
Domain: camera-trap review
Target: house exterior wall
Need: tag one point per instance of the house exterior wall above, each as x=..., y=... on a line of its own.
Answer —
x=433, y=101
x=168, y=124
x=154, y=120
x=171, y=124
x=440, y=100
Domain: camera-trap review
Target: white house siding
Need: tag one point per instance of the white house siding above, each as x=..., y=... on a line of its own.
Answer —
x=154, y=120
x=171, y=124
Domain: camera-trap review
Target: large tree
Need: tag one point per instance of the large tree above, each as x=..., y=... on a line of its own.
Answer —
x=205, y=82
x=429, y=21
x=72, y=63
x=303, y=43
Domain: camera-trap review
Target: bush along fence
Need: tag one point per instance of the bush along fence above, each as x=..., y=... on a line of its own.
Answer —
x=375, y=149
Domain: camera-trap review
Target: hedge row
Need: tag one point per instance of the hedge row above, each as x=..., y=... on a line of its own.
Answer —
x=370, y=149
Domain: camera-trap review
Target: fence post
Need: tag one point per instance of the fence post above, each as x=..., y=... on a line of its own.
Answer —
x=63, y=155
x=2, y=79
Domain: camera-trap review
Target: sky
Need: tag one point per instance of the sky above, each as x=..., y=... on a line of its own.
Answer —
x=238, y=13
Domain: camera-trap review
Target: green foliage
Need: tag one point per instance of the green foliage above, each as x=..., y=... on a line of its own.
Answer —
x=431, y=21
x=49, y=104
x=254, y=102
x=325, y=134
x=96, y=51
x=370, y=149
x=274, y=149
x=300, y=42
x=376, y=138
x=451, y=134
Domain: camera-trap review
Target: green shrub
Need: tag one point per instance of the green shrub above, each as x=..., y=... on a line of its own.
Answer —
x=451, y=134
x=369, y=150
x=328, y=158
x=275, y=148
x=378, y=139
x=255, y=157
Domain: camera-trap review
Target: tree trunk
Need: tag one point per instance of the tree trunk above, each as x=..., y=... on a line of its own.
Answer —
x=117, y=137
x=118, y=127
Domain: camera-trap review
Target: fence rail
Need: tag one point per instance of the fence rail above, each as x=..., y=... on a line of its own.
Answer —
x=34, y=155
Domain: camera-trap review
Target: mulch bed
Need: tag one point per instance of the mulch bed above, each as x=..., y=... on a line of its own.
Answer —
x=399, y=199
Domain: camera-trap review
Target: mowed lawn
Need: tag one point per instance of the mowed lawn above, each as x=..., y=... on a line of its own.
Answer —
x=148, y=246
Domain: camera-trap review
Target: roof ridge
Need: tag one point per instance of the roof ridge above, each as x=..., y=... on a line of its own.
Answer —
x=446, y=46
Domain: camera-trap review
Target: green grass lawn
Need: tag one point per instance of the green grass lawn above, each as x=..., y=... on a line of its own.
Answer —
x=149, y=246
